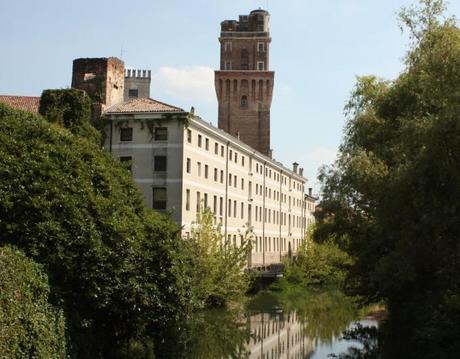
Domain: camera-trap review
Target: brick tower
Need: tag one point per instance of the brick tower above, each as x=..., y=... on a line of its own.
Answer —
x=102, y=79
x=244, y=84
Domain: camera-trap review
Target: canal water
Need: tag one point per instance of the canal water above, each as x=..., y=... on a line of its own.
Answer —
x=304, y=325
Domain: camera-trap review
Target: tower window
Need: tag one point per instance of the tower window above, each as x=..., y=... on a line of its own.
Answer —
x=260, y=65
x=244, y=102
x=260, y=47
x=228, y=65
x=228, y=46
x=133, y=93
x=244, y=61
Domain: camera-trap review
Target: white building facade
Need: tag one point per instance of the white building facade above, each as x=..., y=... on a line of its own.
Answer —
x=183, y=164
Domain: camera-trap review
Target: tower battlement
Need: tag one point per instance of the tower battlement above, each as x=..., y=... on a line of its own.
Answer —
x=130, y=73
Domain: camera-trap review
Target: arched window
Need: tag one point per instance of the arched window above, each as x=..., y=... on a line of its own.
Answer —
x=244, y=102
x=244, y=61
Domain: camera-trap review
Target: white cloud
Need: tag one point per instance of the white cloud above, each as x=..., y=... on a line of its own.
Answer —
x=191, y=84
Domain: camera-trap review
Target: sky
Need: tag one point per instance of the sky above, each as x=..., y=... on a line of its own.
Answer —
x=318, y=49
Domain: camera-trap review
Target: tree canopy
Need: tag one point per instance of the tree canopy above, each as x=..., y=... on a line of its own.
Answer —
x=395, y=189
x=114, y=266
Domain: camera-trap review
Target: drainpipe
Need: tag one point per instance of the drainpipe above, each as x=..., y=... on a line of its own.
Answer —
x=263, y=214
x=226, y=190
x=280, y=218
x=111, y=135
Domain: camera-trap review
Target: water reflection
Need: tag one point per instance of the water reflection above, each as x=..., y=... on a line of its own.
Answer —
x=274, y=335
x=309, y=325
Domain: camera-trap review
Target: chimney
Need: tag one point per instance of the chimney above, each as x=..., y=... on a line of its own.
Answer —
x=301, y=171
x=310, y=190
x=295, y=166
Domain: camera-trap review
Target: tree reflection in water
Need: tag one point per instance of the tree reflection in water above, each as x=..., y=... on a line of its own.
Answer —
x=274, y=326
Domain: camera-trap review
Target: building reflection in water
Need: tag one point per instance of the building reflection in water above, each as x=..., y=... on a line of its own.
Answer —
x=274, y=335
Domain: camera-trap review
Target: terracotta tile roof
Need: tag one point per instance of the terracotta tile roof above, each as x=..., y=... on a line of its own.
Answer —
x=27, y=103
x=142, y=105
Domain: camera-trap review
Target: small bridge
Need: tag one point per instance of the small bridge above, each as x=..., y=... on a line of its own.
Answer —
x=274, y=270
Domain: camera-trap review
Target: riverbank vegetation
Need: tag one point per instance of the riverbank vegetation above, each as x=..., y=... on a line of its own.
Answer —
x=117, y=271
x=218, y=276
x=395, y=191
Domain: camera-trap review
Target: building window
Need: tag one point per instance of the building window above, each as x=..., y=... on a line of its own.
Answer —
x=216, y=148
x=236, y=157
x=199, y=140
x=221, y=205
x=228, y=65
x=126, y=162
x=214, y=205
x=198, y=204
x=229, y=208
x=205, y=200
x=260, y=65
x=206, y=145
x=133, y=93
x=187, y=200
x=126, y=134
x=199, y=169
x=242, y=161
x=242, y=210
x=228, y=46
x=242, y=184
x=189, y=165
x=189, y=136
x=206, y=170
x=221, y=176
x=161, y=134
x=159, y=198
x=231, y=155
x=222, y=151
x=260, y=47
x=244, y=102
x=215, y=174
x=229, y=179
x=160, y=164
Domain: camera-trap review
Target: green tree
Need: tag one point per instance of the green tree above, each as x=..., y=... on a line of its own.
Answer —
x=29, y=326
x=318, y=263
x=111, y=262
x=70, y=108
x=219, y=274
x=395, y=189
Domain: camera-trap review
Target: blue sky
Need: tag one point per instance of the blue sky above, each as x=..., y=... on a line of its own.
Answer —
x=318, y=48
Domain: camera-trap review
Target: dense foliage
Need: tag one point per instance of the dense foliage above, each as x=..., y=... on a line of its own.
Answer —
x=395, y=190
x=29, y=326
x=116, y=268
x=318, y=264
x=70, y=108
x=219, y=274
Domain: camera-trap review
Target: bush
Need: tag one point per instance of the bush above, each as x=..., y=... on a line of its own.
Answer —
x=29, y=326
x=318, y=264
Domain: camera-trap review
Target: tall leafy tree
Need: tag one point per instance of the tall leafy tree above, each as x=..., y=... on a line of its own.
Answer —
x=395, y=189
